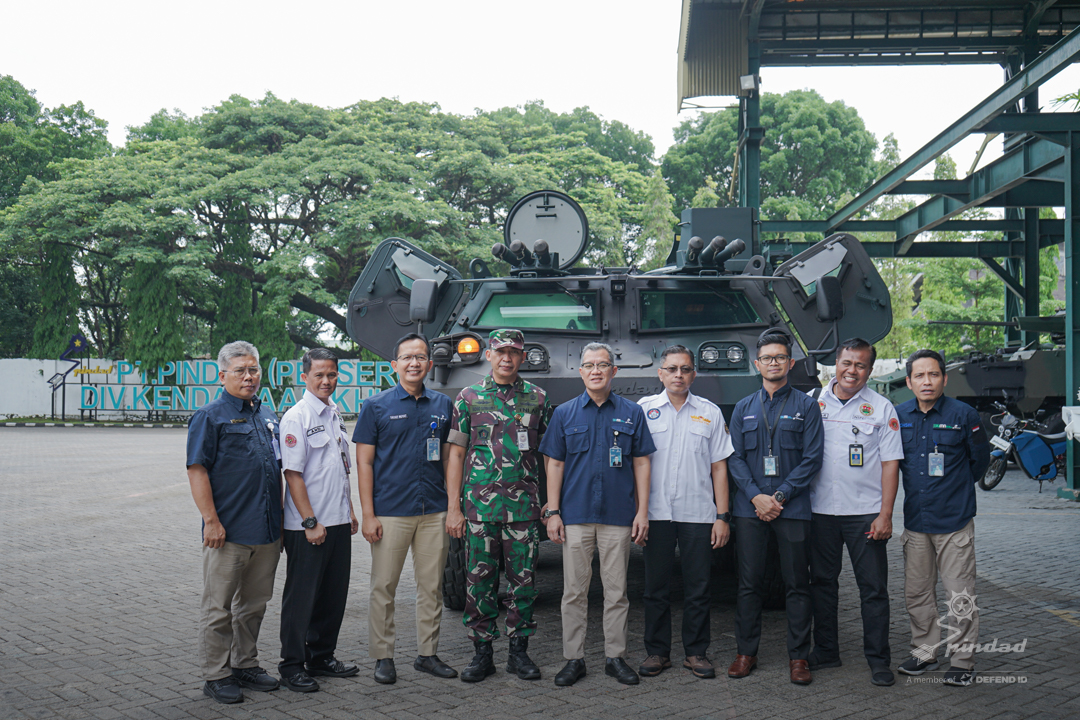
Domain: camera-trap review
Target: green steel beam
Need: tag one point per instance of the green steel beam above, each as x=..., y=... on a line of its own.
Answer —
x=1011, y=282
x=1047, y=227
x=956, y=188
x=1042, y=69
x=1000, y=176
x=1038, y=123
x=1072, y=302
x=994, y=249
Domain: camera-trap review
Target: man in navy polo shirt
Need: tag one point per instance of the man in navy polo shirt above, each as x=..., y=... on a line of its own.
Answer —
x=945, y=453
x=779, y=446
x=598, y=448
x=401, y=457
x=234, y=467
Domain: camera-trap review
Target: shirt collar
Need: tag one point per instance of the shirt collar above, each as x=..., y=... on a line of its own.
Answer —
x=831, y=390
x=316, y=404
x=401, y=393
x=691, y=399
x=488, y=383
x=778, y=394
x=238, y=404
x=584, y=399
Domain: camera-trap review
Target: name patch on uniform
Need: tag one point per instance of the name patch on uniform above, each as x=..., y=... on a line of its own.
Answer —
x=866, y=409
x=701, y=419
x=894, y=424
x=748, y=417
x=316, y=429
x=238, y=420
x=398, y=417
x=290, y=440
x=653, y=414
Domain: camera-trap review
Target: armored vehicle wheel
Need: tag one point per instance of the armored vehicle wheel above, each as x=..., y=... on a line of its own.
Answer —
x=994, y=472
x=454, y=575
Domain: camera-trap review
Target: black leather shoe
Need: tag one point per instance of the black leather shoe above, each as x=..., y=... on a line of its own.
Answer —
x=332, y=668
x=481, y=665
x=519, y=662
x=226, y=690
x=432, y=665
x=255, y=678
x=573, y=671
x=385, y=672
x=300, y=682
x=882, y=676
x=618, y=669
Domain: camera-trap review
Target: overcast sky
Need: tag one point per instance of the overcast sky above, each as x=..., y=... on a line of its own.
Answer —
x=126, y=60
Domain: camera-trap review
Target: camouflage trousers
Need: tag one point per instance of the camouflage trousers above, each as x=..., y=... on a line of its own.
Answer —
x=517, y=545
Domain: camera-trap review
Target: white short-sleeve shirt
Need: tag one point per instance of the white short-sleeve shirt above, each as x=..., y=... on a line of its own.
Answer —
x=314, y=443
x=687, y=442
x=840, y=489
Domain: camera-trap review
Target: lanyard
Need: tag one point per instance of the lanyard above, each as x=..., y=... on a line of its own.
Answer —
x=765, y=416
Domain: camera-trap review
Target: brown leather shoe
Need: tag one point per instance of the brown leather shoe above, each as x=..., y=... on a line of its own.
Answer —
x=800, y=672
x=654, y=665
x=742, y=666
x=700, y=666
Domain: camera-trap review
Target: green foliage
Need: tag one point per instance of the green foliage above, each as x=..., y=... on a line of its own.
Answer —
x=60, y=304
x=154, y=322
x=19, y=310
x=813, y=154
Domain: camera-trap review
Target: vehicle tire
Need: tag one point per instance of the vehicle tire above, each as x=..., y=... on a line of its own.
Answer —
x=994, y=472
x=454, y=575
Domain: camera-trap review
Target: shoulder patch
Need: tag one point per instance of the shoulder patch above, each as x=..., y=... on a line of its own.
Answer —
x=290, y=440
x=821, y=404
x=894, y=424
x=653, y=413
x=866, y=409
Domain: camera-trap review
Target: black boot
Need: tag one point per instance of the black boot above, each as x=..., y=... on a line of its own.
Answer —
x=519, y=661
x=481, y=666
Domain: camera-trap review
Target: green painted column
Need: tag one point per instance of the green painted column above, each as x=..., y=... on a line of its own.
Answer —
x=753, y=135
x=1072, y=296
x=1031, y=270
x=1012, y=266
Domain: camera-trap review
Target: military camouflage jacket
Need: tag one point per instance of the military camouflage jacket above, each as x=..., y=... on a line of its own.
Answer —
x=500, y=481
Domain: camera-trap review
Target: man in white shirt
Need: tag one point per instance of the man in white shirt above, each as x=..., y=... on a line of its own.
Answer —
x=688, y=506
x=852, y=501
x=319, y=523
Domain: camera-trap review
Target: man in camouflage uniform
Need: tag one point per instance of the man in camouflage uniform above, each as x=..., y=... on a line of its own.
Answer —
x=494, y=434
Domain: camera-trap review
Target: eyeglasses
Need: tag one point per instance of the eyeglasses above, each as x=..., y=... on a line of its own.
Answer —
x=599, y=366
x=409, y=358
x=243, y=372
x=773, y=359
x=685, y=369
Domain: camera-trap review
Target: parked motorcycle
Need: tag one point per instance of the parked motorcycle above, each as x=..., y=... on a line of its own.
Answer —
x=1039, y=454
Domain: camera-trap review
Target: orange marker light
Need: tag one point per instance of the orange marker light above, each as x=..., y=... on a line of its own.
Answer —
x=467, y=346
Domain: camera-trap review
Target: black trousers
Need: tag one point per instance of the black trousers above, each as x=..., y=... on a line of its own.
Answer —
x=751, y=548
x=695, y=557
x=313, y=603
x=829, y=535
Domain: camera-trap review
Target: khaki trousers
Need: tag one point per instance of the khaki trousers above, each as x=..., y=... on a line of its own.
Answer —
x=582, y=541
x=426, y=536
x=238, y=580
x=953, y=556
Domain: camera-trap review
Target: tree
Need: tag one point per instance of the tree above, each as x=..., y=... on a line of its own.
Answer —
x=813, y=153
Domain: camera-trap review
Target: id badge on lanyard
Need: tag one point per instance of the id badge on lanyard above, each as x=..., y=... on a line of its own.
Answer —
x=273, y=441
x=772, y=463
x=615, y=452
x=937, y=463
x=433, y=449
x=855, y=451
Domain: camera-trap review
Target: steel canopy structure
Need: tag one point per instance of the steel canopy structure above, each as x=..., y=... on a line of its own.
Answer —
x=725, y=44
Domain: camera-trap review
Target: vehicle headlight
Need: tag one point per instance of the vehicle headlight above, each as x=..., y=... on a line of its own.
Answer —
x=710, y=354
x=735, y=354
x=535, y=356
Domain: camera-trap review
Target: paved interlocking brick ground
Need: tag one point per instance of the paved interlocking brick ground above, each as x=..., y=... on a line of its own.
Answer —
x=101, y=578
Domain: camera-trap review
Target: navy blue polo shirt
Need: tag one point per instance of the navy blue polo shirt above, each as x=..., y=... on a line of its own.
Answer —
x=234, y=441
x=581, y=435
x=406, y=483
x=798, y=443
x=941, y=504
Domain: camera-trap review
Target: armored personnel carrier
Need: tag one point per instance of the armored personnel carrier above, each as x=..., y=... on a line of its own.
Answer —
x=716, y=294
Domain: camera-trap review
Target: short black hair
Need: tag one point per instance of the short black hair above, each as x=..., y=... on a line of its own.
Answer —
x=409, y=338
x=317, y=354
x=774, y=336
x=676, y=350
x=924, y=353
x=857, y=343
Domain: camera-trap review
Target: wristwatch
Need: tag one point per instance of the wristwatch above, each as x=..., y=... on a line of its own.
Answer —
x=780, y=497
x=309, y=523
x=549, y=513
x=725, y=516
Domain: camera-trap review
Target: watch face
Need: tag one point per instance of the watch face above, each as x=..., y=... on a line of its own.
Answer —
x=309, y=523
